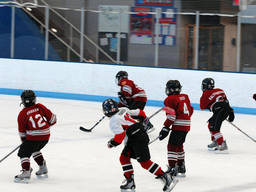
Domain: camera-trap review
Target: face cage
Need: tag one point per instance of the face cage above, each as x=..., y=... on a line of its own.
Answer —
x=117, y=80
x=202, y=87
x=28, y=104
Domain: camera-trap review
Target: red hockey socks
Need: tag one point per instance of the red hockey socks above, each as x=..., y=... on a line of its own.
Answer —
x=181, y=155
x=126, y=165
x=38, y=157
x=152, y=167
x=25, y=163
x=172, y=154
x=218, y=137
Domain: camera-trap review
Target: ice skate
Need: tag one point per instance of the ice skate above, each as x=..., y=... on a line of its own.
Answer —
x=174, y=171
x=181, y=170
x=129, y=185
x=24, y=177
x=223, y=148
x=168, y=181
x=213, y=146
x=43, y=171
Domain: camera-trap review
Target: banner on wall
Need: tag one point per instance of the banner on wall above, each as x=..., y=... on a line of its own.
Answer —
x=142, y=24
x=154, y=2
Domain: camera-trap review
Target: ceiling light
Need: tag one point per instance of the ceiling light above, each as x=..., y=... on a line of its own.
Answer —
x=54, y=30
x=28, y=8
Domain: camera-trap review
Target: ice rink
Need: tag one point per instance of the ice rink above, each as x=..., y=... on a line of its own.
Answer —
x=81, y=162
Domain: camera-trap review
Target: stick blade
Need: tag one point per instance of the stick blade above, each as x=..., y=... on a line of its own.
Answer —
x=84, y=129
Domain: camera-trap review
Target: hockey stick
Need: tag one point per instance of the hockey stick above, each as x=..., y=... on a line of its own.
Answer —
x=164, y=109
x=153, y=140
x=89, y=130
x=155, y=113
x=9, y=153
x=242, y=131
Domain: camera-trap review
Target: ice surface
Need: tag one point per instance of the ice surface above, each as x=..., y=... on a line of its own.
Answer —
x=81, y=162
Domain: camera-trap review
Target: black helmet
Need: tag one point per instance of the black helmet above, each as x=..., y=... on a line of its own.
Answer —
x=173, y=87
x=207, y=83
x=121, y=75
x=28, y=98
x=109, y=107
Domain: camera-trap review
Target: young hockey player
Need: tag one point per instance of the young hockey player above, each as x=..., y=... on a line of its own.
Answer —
x=216, y=101
x=136, y=146
x=34, y=123
x=178, y=118
x=130, y=95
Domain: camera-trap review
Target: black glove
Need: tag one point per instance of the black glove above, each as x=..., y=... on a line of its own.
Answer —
x=147, y=124
x=231, y=115
x=122, y=99
x=254, y=96
x=112, y=143
x=163, y=133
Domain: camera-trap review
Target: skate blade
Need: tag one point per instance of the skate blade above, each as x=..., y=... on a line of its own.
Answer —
x=221, y=152
x=127, y=190
x=181, y=175
x=43, y=176
x=212, y=149
x=173, y=184
x=18, y=180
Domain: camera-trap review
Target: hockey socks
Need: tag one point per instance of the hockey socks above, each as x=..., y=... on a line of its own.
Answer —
x=38, y=157
x=126, y=166
x=152, y=167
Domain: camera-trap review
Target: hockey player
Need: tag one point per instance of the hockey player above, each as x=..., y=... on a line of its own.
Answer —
x=215, y=100
x=136, y=143
x=178, y=118
x=130, y=95
x=254, y=96
x=34, y=123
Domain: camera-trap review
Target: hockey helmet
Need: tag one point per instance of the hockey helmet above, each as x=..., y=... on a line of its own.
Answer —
x=28, y=98
x=121, y=75
x=173, y=87
x=109, y=107
x=207, y=83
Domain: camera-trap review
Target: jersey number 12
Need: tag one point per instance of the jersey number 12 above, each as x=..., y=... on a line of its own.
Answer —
x=37, y=121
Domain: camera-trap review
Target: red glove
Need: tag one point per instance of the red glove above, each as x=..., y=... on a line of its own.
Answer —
x=254, y=96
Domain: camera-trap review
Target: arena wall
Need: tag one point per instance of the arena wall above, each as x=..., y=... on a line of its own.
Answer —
x=96, y=82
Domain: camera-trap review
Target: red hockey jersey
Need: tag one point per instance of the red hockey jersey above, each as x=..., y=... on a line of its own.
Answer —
x=210, y=97
x=131, y=91
x=179, y=113
x=34, y=122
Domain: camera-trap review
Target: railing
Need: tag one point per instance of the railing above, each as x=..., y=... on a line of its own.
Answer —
x=68, y=45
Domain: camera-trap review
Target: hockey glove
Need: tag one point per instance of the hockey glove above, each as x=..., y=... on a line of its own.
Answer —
x=146, y=123
x=112, y=143
x=231, y=116
x=164, y=133
x=122, y=99
x=254, y=96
